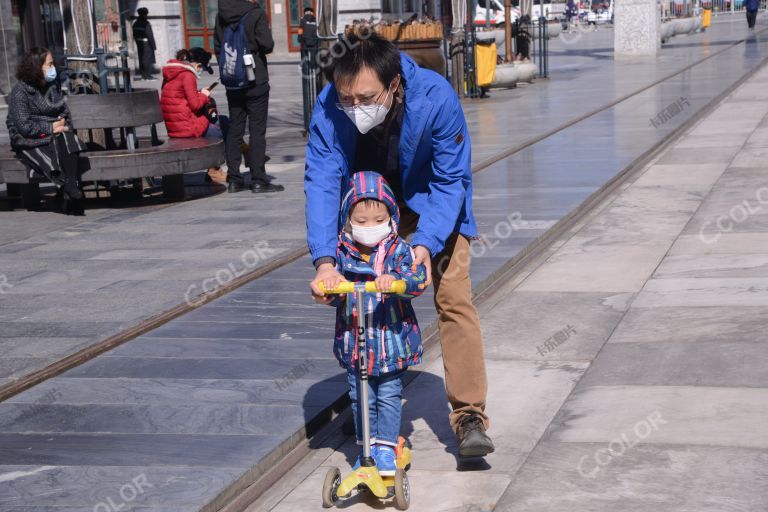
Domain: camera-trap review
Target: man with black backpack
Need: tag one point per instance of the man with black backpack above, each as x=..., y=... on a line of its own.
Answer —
x=242, y=41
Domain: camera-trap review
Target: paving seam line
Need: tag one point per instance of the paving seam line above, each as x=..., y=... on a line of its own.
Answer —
x=532, y=255
x=82, y=356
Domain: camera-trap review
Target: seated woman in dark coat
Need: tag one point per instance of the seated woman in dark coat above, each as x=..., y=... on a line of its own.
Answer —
x=39, y=127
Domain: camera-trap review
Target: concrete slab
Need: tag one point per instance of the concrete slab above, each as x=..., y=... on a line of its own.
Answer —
x=714, y=242
x=729, y=362
x=578, y=267
x=474, y=488
x=736, y=291
x=550, y=326
x=565, y=476
x=713, y=266
x=709, y=324
x=682, y=415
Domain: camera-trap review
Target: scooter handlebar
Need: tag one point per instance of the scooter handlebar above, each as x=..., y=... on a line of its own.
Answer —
x=370, y=287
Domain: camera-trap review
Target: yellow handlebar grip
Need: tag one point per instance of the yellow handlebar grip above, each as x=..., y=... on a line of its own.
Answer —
x=344, y=287
x=397, y=287
x=370, y=287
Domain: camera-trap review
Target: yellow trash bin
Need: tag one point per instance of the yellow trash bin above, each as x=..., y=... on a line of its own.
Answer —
x=485, y=60
x=706, y=18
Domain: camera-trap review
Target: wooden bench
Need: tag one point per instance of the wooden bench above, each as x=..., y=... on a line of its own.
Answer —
x=135, y=158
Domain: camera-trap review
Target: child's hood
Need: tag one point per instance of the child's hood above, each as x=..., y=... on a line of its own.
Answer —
x=370, y=185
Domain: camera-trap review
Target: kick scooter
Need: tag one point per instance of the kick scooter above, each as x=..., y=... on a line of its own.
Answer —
x=367, y=476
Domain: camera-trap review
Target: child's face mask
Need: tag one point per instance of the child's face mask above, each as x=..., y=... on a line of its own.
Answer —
x=372, y=235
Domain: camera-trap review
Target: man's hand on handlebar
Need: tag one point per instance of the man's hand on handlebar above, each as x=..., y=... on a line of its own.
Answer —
x=330, y=277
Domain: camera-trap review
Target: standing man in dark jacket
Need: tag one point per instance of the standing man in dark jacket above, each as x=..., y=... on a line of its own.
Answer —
x=145, y=43
x=250, y=103
x=308, y=30
x=752, y=6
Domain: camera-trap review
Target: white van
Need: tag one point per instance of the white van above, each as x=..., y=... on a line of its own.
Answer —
x=496, y=13
x=600, y=12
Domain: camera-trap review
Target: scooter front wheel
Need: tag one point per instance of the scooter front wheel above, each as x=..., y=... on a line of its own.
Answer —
x=330, y=486
x=402, y=490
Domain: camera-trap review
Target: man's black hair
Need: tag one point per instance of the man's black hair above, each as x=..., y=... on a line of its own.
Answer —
x=308, y=9
x=355, y=52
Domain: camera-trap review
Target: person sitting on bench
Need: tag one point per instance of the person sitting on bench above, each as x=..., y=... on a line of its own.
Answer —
x=187, y=111
x=40, y=130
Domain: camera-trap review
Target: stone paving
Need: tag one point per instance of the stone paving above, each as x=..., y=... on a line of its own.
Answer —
x=626, y=367
x=191, y=406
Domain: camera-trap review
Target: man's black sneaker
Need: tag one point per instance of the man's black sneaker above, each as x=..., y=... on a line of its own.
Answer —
x=235, y=187
x=471, y=436
x=257, y=188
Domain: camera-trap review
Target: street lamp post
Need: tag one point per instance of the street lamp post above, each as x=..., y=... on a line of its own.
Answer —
x=508, y=30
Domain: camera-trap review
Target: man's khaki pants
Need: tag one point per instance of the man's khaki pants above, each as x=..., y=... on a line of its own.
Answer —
x=460, y=338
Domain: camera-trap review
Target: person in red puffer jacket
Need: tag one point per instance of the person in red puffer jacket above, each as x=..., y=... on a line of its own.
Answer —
x=183, y=105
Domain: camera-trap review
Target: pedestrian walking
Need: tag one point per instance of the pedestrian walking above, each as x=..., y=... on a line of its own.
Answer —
x=145, y=44
x=570, y=11
x=752, y=6
x=242, y=41
x=384, y=113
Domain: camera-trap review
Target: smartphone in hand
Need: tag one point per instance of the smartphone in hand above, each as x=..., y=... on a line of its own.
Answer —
x=214, y=84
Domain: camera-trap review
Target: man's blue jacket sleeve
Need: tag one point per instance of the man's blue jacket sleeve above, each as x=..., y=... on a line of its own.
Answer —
x=451, y=175
x=322, y=188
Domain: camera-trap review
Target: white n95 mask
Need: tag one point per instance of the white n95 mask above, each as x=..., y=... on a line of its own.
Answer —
x=367, y=117
x=370, y=236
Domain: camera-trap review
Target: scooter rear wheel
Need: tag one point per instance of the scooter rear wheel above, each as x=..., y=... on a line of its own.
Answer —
x=330, y=486
x=402, y=490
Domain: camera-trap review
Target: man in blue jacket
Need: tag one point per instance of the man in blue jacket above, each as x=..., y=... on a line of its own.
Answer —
x=383, y=113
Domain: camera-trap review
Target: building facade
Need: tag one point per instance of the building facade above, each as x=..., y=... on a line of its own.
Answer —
x=176, y=24
x=199, y=18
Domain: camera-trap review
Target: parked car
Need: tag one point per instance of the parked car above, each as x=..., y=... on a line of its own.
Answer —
x=599, y=17
x=600, y=13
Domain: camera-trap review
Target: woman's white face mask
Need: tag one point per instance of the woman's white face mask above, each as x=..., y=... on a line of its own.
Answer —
x=370, y=236
x=367, y=117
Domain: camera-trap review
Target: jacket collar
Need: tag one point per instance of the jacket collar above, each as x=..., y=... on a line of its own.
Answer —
x=29, y=88
x=183, y=65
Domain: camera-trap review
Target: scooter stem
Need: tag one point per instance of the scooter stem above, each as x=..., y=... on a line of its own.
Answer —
x=362, y=366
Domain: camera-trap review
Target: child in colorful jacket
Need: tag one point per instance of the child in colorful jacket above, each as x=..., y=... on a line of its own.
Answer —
x=370, y=250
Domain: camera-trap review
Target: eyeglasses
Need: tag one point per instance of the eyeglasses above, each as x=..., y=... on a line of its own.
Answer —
x=368, y=102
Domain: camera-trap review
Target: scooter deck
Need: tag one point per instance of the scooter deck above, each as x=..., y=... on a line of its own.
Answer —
x=380, y=486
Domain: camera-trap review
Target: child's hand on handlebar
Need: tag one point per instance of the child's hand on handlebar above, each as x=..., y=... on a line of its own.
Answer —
x=384, y=282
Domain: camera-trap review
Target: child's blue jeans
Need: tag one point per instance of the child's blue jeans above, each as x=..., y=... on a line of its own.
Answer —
x=385, y=406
